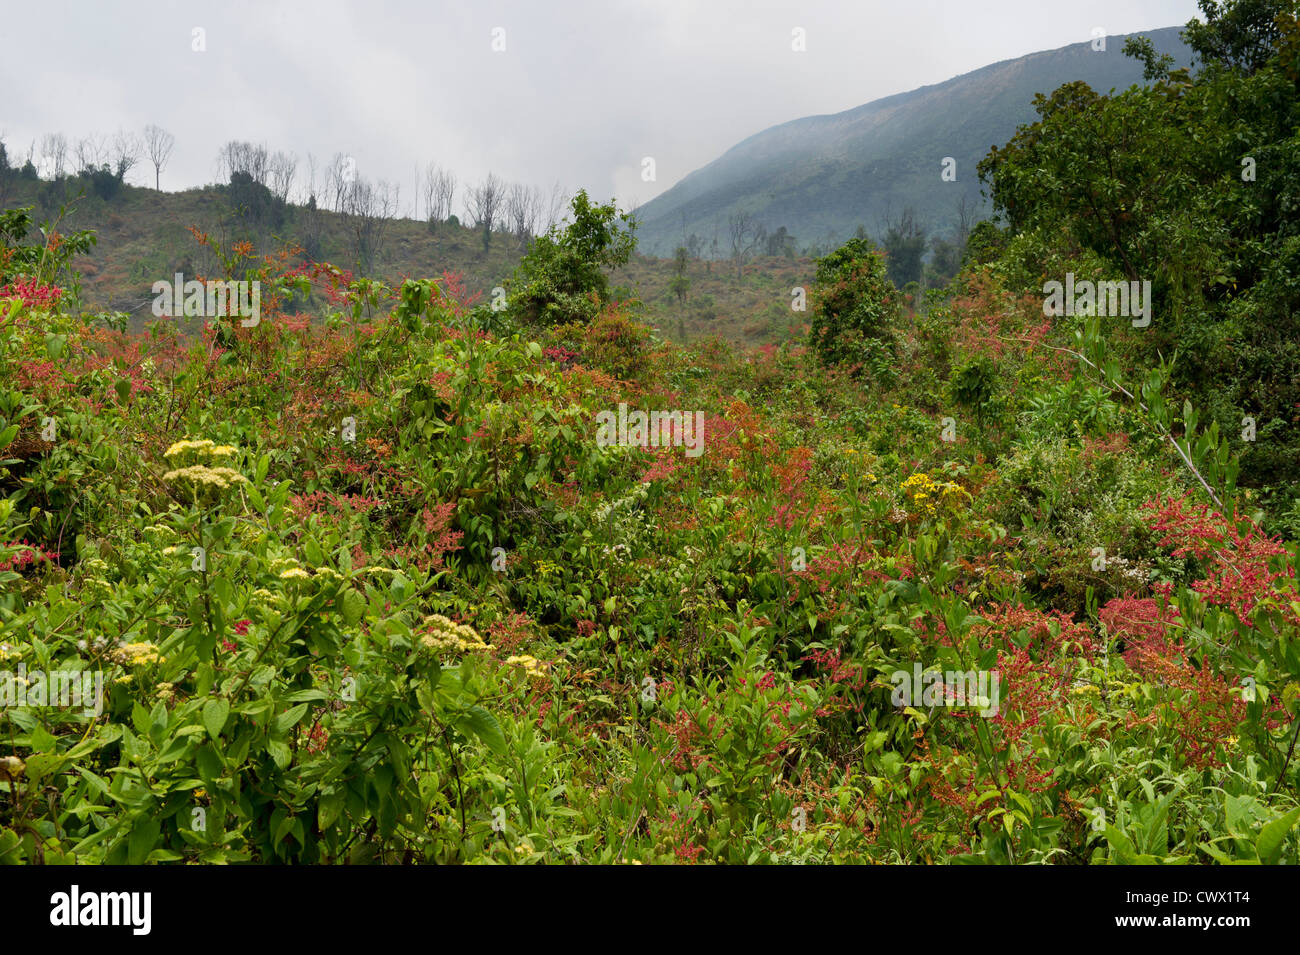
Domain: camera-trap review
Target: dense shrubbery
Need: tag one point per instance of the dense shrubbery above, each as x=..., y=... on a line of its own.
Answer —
x=563, y=277
x=363, y=585
x=853, y=303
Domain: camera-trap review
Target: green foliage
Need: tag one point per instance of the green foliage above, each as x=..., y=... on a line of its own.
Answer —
x=853, y=303
x=373, y=589
x=45, y=261
x=563, y=276
x=1188, y=184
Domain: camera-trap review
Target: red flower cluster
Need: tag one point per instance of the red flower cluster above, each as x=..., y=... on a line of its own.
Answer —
x=1240, y=574
x=27, y=555
x=1142, y=622
x=32, y=293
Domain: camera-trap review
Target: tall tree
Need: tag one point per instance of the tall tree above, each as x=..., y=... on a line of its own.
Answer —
x=484, y=206
x=125, y=152
x=745, y=235
x=158, y=143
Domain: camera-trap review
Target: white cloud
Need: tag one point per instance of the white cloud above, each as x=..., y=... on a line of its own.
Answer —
x=582, y=92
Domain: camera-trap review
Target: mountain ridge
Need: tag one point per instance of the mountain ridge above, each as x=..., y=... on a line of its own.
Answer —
x=824, y=174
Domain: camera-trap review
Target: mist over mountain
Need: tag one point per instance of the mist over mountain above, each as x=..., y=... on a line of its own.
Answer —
x=823, y=176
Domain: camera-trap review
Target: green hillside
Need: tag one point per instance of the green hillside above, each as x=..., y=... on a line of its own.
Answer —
x=821, y=177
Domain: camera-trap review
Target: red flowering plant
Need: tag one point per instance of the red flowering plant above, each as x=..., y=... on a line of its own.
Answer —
x=1229, y=648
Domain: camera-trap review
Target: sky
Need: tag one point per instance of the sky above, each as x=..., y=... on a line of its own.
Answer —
x=571, y=92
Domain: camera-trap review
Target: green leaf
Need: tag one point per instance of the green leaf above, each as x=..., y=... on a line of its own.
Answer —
x=354, y=606
x=1121, y=847
x=280, y=752
x=215, y=713
x=174, y=750
x=143, y=836
x=328, y=810
x=484, y=725
x=1272, y=837
x=289, y=719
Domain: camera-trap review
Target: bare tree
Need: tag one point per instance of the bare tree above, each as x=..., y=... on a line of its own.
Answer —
x=54, y=154
x=745, y=236
x=125, y=153
x=248, y=158
x=281, y=170
x=484, y=205
x=158, y=144
x=965, y=220
x=522, y=208
x=340, y=176
x=310, y=185
x=439, y=191
x=367, y=210
x=555, y=206
x=90, y=152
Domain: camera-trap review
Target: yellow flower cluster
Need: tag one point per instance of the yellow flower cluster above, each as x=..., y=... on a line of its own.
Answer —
x=200, y=475
x=545, y=567
x=8, y=653
x=137, y=654
x=203, y=448
x=446, y=634
x=534, y=669
x=926, y=494
x=268, y=599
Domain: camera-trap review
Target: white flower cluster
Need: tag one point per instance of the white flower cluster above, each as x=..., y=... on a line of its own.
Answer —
x=624, y=522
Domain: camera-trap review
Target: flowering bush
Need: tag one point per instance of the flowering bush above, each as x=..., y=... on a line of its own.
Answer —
x=366, y=587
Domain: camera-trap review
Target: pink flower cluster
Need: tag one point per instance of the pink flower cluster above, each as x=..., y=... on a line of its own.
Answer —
x=27, y=555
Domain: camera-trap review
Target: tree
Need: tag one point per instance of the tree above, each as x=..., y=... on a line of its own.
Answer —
x=853, y=304
x=780, y=243
x=905, y=248
x=484, y=206
x=1189, y=184
x=252, y=201
x=281, y=169
x=680, y=283
x=439, y=191
x=54, y=154
x=1239, y=35
x=522, y=208
x=367, y=211
x=745, y=236
x=562, y=278
x=555, y=206
x=125, y=153
x=248, y=158
x=90, y=153
x=6, y=174
x=158, y=144
x=339, y=178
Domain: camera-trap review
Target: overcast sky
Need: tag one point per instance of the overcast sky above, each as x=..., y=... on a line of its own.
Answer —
x=582, y=92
